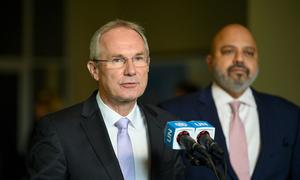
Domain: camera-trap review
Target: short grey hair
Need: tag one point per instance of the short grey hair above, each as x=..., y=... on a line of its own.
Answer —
x=95, y=44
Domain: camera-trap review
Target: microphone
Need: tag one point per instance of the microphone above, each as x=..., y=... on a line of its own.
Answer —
x=184, y=139
x=204, y=134
x=217, y=154
x=202, y=126
x=204, y=139
x=179, y=136
x=172, y=130
x=183, y=135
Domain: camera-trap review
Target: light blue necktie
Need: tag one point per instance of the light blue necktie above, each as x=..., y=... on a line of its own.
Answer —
x=125, y=152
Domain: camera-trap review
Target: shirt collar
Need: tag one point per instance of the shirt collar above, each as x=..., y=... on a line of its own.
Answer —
x=111, y=117
x=221, y=97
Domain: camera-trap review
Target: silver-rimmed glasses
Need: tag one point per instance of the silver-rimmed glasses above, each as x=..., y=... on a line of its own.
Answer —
x=120, y=61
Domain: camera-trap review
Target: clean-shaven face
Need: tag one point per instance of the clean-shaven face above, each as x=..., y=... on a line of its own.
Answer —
x=127, y=83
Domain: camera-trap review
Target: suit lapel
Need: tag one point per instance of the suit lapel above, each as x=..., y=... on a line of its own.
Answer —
x=155, y=132
x=208, y=112
x=266, y=146
x=96, y=131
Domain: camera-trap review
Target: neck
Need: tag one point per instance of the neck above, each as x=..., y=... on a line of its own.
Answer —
x=121, y=107
x=235, y=95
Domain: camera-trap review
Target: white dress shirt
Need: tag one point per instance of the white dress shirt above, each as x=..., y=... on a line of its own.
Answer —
x=248, y=114
x=137, y=132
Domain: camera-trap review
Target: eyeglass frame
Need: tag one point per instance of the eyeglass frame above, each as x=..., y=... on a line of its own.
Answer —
x=125, y=59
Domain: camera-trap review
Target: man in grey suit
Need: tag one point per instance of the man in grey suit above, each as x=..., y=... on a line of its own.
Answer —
x=85, y=142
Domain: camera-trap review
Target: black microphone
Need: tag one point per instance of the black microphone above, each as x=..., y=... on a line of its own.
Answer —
x=197, y=153
x=216, y=151
x=204, y=139
x=184, y=139
x=179, y=135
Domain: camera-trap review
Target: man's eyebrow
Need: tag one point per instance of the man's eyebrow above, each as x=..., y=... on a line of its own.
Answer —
x=227, y=46
x=121, y=55
x=117, y=55
x=250, y=47
x=139, y=53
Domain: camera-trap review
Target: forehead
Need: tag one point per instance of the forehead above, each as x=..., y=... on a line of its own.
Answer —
x=236, y=36
x=121, y=37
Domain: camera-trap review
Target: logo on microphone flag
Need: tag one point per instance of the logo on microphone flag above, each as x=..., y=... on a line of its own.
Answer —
x=202, y=126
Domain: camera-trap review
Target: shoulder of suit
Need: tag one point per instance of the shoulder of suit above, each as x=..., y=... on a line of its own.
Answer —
x=156, y=111
x=184, y=98
x=68, y=114
x=275, y=100
x=75, y=111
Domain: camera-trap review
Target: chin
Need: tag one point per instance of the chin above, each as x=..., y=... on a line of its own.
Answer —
x=129, y=98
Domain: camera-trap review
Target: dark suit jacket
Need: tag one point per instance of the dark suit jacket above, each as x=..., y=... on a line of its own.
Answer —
x=74, y=144
x=279, y=156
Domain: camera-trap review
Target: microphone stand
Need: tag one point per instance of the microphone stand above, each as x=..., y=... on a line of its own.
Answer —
x=199, y=157
x=219, y=160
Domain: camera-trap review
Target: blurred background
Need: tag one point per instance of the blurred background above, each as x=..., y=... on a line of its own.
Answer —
x=45, y=46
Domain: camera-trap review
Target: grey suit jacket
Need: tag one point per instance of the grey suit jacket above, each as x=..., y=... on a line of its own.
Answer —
x=74, y=144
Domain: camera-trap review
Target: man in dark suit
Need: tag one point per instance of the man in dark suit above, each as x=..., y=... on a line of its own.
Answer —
x=109, y=136
x=270, y=125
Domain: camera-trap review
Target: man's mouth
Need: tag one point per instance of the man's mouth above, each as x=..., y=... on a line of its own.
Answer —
x=129, y=85
x=238, y=70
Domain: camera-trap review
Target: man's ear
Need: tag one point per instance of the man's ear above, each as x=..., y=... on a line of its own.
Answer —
x=93, y=69
x=209, y=61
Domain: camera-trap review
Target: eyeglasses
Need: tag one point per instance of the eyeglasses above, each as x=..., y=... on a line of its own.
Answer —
x=118, y=62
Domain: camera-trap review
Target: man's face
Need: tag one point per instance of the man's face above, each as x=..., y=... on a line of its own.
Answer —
x=234, y=59
x=124, y=84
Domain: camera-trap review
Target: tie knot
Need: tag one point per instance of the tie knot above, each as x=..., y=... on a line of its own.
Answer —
x=235, y=105
x=122, y=123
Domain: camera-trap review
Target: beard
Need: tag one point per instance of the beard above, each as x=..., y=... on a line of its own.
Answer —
x=236, y=84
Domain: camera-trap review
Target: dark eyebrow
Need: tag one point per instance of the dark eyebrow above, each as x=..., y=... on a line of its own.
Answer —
x=250, y=48
x=227, y=46
x=117, y=55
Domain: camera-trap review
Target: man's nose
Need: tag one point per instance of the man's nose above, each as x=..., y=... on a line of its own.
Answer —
x=239, y=57
x=130, y=68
